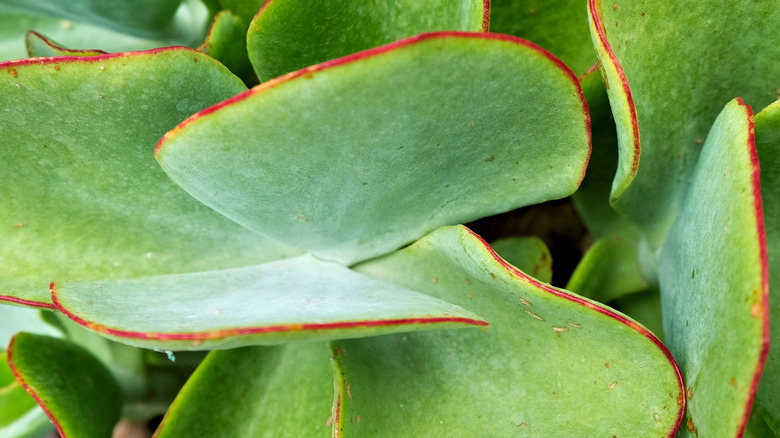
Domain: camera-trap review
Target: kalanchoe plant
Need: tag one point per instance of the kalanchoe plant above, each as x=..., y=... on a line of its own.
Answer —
x=266, y=200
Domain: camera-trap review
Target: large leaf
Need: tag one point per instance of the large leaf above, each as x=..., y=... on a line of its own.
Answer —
x=559, y=26
x=768, y=147
x=357, y=157
x=288, y=35
x=714, y=280
x=75, y=390
x=670, y=101
x=550, y=364
x=274, y=392
x=81, y=196
x=298, y=298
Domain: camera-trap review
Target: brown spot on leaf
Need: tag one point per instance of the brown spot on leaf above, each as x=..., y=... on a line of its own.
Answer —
x=689, y=393
x=612, y=386
x=606, y=365
x=57, y=67
x=349, y=391
x=689, y=425
x=490, y=158
x=757, y=310
x=435, y=280
x=524, y=301
x=733, y=382
x=560, y=329
x=614, y=6
x=575, y=325
x=12, y=72
x=468, y=283
x=535, y=315
x=19, y=225
x=358, y=418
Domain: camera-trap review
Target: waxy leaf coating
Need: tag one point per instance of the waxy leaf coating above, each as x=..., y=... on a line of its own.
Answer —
x=713, y=275
x=356, y=157
x=296, y=299
x=550, y=364
x=81, y=196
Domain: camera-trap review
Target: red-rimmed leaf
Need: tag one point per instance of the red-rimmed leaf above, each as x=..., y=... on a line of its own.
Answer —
x=436, y=143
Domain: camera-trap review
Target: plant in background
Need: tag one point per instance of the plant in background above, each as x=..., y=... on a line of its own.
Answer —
x=296, y=246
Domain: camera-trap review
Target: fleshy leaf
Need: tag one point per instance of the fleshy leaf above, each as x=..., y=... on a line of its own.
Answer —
x=557, y=25
x=282, y=39
x=284, y=391
x=550, y=364
x=15, y=319
x=672, y=112
x=75, y=390
x=81, y=197
x=39, y=46
x=768, y=147
x=528, y=254
x=246, y=9
x=714, y=280
x=273, y=303
x=226, y=42
x=437, y=144
x=14, y=400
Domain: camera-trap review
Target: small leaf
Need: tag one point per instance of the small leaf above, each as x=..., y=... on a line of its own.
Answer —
x=714, y=280
x=551, y=364
x=528, y=254
x=226, y=42
x=284, y=391
x=364, y=154
x=81, y=197
x=39, y=46
x=75, y=390
x=273, y=303
x=288, y=35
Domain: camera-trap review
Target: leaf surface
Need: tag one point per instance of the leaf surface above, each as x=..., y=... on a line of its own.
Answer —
x=284, y=391
x=288, y=35
x=38, y=46
x=81, y=196
x=75, y=390
x=669, y=101
x=528, y=254
x=273, y=303
x=550, y=364
x=364, y=154
x=226, y=42
x=714, y=280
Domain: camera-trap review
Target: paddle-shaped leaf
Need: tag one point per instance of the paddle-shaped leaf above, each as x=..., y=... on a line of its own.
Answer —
x=550, y=364
x=714, y=280
x=660, y=95
x=288, y=35
x=284, y=391
x=298, y=298
x=75, y=390
x=81, y=196
x=768, y=148
x=356, y=157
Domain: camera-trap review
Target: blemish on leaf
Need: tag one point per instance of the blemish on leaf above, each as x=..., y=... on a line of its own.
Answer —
x=523, y=424
x=612, y=386
x=12, y=72
x=524, y=301
x=19, y=225
x=468, y=283
x=57, y=67
x=18, y=85
x=330, y=421
x=102, y=68
x=733, y=382
x=435, y=280
x=349, y=391
x=196, y=342
x=66, y=24
x=490, y=158
x=689, y=393
x=535, y=315
x=358, y=418
x=656, y=417
x=614, y=6
x=302, y=218
x=757, y=310
x=689, y=425
x=560, y=329
x=575, y=325
x=492, y=275
x=606, y=364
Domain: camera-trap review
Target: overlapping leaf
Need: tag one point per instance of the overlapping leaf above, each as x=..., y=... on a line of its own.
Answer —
x=659, y=95
x=767, y=125
x=452, y=127
x=714, y=280
x=81, y=196
x=298, y=298
x=288, y=35
x=550, y=364
x=75, y=390
x=284, y=391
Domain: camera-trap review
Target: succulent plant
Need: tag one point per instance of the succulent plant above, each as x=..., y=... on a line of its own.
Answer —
x=242, y=218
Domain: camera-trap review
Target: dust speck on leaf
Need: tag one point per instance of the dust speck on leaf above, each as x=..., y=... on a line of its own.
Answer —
x=656, y=417
x=435, y=280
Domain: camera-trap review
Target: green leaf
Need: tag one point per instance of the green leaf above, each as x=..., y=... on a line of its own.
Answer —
x=246, y=9
x=557, y=25
x=436, y=143
x=768, y=148
x=226, y=42
x=670, y=101
x=14, y=400
x=528, y=254
x=284, y=391
x=288, y=35
x=550, y=364
x=714, y=280
x=39, y=46
x=609, y=270
x=15, y=319
x=77, y=392
x=273, y=303
x=81, y=197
